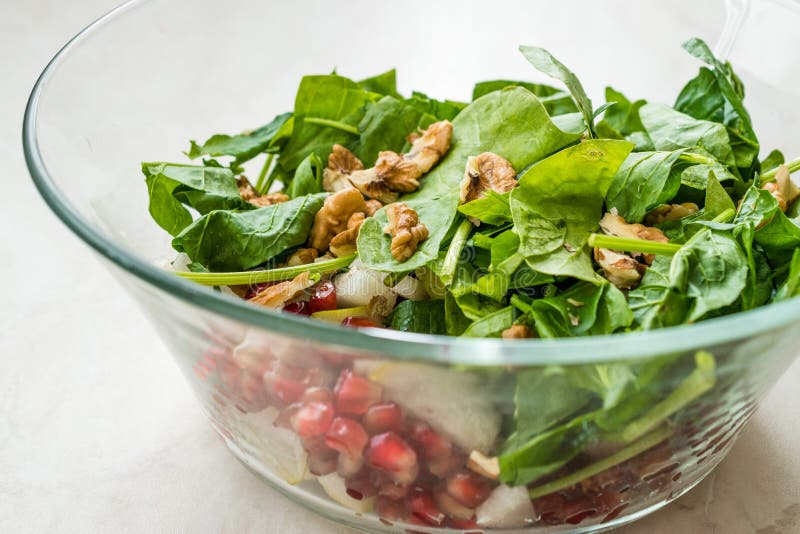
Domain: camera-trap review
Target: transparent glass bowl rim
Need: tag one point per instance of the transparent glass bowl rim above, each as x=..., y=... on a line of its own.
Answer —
x=468, y=351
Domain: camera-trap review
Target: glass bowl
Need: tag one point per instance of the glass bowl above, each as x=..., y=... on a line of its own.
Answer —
x=139, y=82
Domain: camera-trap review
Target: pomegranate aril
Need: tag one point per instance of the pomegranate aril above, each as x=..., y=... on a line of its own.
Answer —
x=445, y=465
x=312, y=419
x=301, y=307
x=421, y=505
x=321, y=462
x=392, y=490
x=323, y=298
x=390, y=509
x=346, y=436
x=360, y=322
x=428, y=442
x=383, y=417
x=393, y=455
x=468, y=488
x=252, y=393
x=451, y=507
x=355, y=394
x=317, y=395
x=283, y=390
x=319, y=377
x=469, y=525
x=359, y=486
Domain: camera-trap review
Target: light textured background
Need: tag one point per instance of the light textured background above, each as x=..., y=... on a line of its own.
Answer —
x=94, y=439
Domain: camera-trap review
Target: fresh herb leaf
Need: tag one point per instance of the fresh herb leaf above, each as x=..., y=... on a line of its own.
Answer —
x=242, y=147
x=561, y=198
x=239, y=240
x=307, y=178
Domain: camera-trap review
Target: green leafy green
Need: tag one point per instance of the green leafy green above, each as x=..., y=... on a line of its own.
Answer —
x=422, y=317
x=559, y=203
x=583, y=309
x=622, y=120
x=511, y=123
x=556, y=101
x=384, y=83
x=546, y=63
x=491, y=325
x=171, y=185
x=490, y=209
x=791, y=286
x=385, y=126
x=644, y=181
x=307, y=178
x=242, y=147
x=440, y=109
x=238, y=240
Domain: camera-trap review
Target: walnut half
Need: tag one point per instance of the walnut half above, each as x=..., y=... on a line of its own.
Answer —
x=334, y=217
x=249, y=194
x=625, y=270
x=517, y=331
x=344, y=242
x=341, y=164
x=406, y=230
x=783, y=189
x=275, y=296
x=671, y=212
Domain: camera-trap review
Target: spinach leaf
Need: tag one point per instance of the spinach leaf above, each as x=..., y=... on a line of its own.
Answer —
x=491, y=209
x=622, y=120
x=778, y=235
x=307, y=178
x=242, y=147
x=556, y=101
x=718, y=200
x=773, y=160
x=422, y=317
x=330, y=97
x=559, y=203
x=240, y=240
x=711, y=270
x=584, y=309
x=491, y=325
x=655, y=303
x=385, y=126
x=511, y=123
x=507, y=269
x=544, y=62
x=455, y=320
x=697, y=176
x=382, y=84
x=644, y=181
x=170, y=185
x=673, y=130
x=791, y=286
x=441, y=109
x=608, y=381
x=759, y=287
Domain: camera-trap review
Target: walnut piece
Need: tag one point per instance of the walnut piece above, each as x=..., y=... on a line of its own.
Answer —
x=406, y=230
x=302, y=256
x=670, y=212
x=613, y=224
x=372, y=206
x=486, y=466
x=619, y=269
x=395, y=173
x=484, y=172
x=344, y=242
x=517, y=331
x=341, y=163
x=334, y=216
x=783, y=188
x=249, y=194
x=277, y=295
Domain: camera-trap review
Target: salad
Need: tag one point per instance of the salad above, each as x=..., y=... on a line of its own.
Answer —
x=527, y=212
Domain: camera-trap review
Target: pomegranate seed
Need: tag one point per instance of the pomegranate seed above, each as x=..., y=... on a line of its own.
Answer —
x=359, y=322
x=355, y=394
x=284, y=418
x=320, y=377
x=301, y=307
x=321, y=463
x=422, y=507
x=390, y=453
x=468, y=488
x=318, y=395
x=390, y=509
x=465, y=524
x=312, y=419
x=383, y=417
x=282, y=390
x=287, y=370
x=452, y=507
x=430, y=444
x=445, y=465
x=252, y=393
x=346, y=436
x=324, y=298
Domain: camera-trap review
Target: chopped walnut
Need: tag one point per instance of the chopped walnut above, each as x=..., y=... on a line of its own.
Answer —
x=341, y=163
x=613, y=224
x=670, y=212
x=488, y=467
x=379, y=308
x=517, y=331
x=372, y=206
x=344, y=242
x=302, y=256
x=783, y=188
x=428, y=147
x=249, y=194
x=406, y=230
x=619, y=269
x=395, y=173
x=334, y=216
x=277, y=295
x=484, y=172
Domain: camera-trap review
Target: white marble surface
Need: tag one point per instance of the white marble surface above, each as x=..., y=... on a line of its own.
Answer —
x=95, y=440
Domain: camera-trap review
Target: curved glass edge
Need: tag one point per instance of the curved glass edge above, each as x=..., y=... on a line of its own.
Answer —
x=442, y=349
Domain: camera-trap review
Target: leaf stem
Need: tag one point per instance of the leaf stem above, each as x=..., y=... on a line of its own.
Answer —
x=725, y=216
x=634, y=449
x=632, y=245
x=333, y=124
x=270, y=275
x=691, y=157
x=769, y=176
x=261, y=182
x=450, y=262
